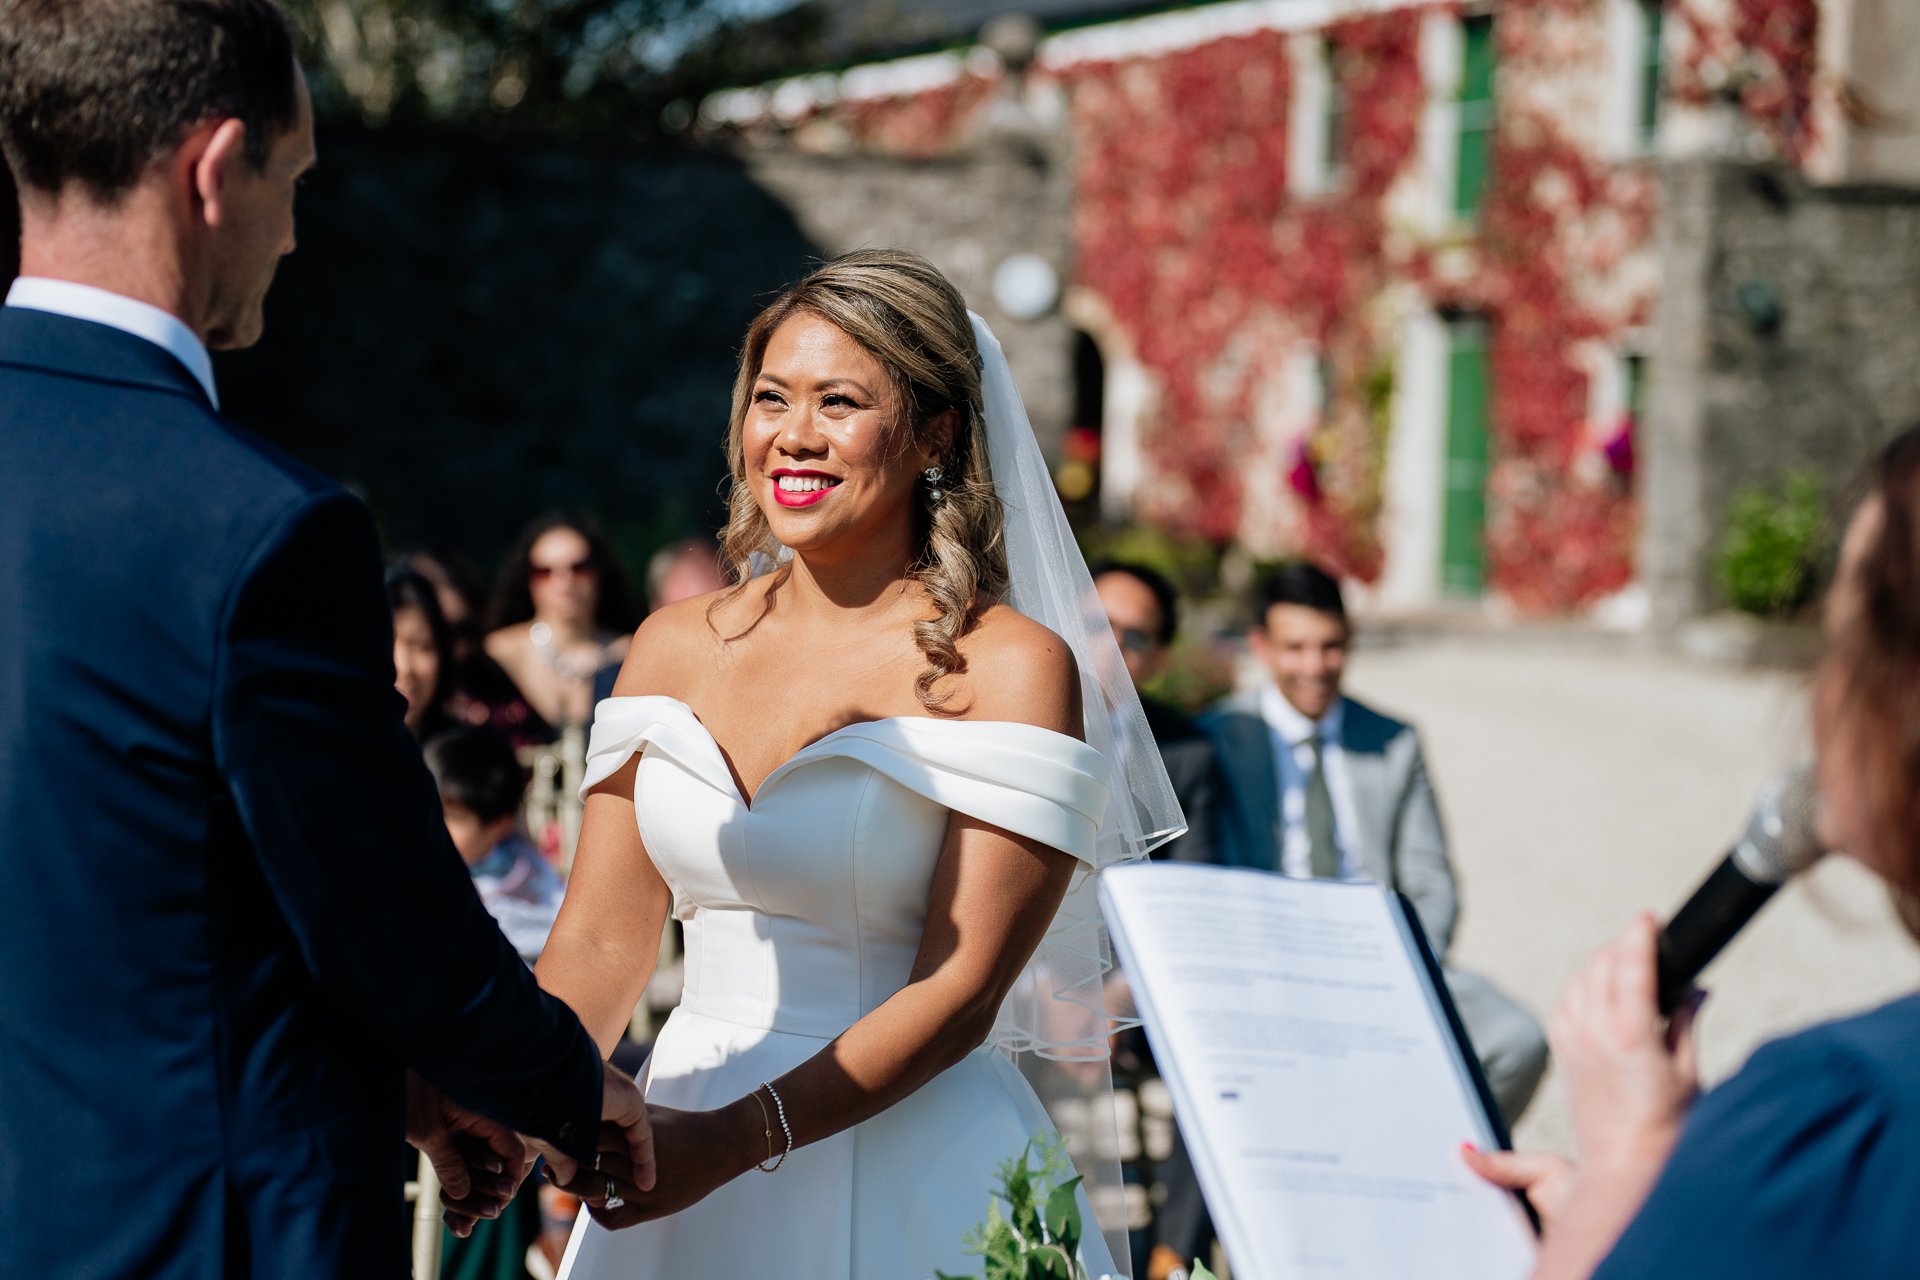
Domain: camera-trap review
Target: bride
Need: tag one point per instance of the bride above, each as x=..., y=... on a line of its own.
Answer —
x=863, y=779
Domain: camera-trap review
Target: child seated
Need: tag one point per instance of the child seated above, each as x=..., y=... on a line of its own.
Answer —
x=482, y=784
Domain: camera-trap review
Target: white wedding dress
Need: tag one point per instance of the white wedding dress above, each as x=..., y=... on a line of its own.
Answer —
x=803, y=913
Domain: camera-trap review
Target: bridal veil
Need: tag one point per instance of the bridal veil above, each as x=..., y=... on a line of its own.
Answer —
x=1054, y=1024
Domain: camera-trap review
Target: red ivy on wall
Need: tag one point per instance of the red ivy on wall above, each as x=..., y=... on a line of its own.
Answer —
x=918, y=126
x=1181, y=173
x=1555, y=539
x=1183, y=226
x=1761, y=54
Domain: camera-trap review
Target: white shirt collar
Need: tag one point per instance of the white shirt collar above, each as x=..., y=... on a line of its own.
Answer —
x=1284, y=719
x=84, y=302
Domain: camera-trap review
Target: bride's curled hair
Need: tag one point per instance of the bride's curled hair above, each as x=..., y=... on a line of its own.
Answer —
x=913, y=321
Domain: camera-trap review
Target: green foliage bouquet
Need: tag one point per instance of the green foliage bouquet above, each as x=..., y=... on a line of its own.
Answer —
x=1039, y=1238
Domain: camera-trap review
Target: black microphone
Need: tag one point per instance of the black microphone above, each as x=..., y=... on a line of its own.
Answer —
x=1779, y=842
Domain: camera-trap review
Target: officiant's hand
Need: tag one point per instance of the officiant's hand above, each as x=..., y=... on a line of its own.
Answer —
x=480, y=1164
x=623, y=1110
x=698, y=1150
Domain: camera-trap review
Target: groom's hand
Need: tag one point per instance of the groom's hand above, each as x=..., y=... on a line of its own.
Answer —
x=623, y=1106
x=480, y=1164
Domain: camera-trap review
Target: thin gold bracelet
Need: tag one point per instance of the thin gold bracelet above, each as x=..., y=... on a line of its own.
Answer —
x=781, y=1109
x=766, y=1122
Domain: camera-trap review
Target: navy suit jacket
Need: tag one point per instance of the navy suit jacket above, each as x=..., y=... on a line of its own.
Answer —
x=230, y=915
x=1399, y=841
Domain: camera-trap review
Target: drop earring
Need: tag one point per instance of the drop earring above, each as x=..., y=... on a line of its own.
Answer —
x=935, y=494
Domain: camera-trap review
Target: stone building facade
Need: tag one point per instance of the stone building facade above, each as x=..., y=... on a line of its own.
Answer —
x=1788, y=337
x=1398, y=285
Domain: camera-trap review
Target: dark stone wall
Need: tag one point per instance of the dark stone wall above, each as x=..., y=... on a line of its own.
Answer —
x=1788, y=336
x=470, y=333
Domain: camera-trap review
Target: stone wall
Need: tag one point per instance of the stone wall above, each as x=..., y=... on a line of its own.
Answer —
x=1009, y=192
x=1788, y=336
x=472, y=331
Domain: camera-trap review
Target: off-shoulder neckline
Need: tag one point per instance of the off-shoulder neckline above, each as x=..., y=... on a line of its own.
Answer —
x=747, y=802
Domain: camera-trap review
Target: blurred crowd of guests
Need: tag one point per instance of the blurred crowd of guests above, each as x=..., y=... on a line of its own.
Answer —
x=1290, y=775
x=534, y=655
x=490, y=680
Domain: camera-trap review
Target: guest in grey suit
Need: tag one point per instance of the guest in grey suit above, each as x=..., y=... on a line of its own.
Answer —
x=1319, y=785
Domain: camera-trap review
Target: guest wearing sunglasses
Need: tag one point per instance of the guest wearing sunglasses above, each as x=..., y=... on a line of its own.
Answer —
x=1144, y=610
x=562, y=611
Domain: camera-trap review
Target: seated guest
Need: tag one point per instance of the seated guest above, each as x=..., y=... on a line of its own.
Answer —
x=482, y=784
x=459, y=591
x=1319, y=785
x=422, y=651
x=481, y=693
x=1807, y=1161
x=562, y=613
x=1144, y=610
x=680, y=572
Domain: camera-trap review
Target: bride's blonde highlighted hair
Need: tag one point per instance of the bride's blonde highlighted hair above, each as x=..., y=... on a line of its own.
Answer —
x=900, y=308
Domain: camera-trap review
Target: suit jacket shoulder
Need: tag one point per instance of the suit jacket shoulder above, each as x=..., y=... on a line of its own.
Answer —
x=1364, y=730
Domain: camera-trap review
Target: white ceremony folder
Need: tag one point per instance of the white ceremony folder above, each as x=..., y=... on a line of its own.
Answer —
x=1320, y=1075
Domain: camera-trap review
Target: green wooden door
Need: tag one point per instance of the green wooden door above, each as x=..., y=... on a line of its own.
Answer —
x=1463, y=540
x=1474, y=154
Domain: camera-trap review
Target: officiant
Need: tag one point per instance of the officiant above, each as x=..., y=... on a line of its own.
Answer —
x=231, y=918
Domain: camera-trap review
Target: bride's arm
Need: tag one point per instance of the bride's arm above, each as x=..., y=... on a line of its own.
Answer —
x=606, y=941
x=994, y=895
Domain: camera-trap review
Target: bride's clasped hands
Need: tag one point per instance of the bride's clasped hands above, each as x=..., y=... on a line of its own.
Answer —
x=860, y=781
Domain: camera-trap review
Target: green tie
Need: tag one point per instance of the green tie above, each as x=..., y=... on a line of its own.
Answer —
x=1324, y=853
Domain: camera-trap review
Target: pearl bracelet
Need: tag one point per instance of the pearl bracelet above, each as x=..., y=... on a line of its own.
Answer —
x=781, y=1108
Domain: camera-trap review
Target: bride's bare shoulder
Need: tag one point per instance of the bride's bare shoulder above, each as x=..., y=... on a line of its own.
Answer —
x=1021, y=671
x=676, y=644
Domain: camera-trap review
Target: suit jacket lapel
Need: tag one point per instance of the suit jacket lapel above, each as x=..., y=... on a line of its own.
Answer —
x=1244, y=745
x=1367, y=778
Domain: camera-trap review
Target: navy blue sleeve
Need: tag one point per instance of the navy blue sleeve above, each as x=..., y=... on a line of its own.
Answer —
x=1792, y=1168
x=347, y=826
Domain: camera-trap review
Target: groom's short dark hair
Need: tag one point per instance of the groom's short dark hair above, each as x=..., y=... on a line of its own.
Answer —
x=94, y=91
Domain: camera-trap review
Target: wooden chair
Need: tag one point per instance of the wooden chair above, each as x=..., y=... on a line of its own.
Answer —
x=427, y=1225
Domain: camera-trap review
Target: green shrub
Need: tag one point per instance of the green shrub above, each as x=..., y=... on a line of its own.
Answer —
x=1773, y=543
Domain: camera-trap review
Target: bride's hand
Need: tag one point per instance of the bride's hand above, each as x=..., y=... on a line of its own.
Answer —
x=695, y=1152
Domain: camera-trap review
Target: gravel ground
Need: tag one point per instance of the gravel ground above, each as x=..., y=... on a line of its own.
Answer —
x=1582, y=780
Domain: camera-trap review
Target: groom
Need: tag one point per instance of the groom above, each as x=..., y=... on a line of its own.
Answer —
x=230, y=916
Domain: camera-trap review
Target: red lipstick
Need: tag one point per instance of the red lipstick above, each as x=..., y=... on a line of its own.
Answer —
x=809, y=487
